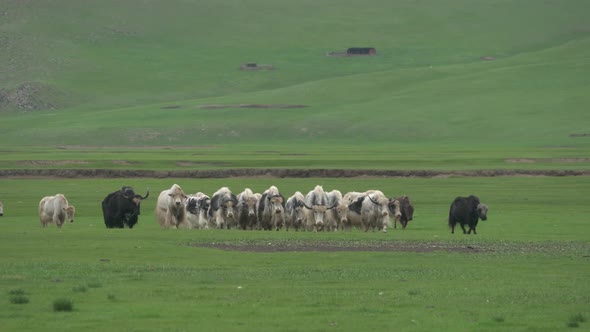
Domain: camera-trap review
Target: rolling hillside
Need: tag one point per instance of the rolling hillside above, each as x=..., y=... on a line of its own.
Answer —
x=485, y=74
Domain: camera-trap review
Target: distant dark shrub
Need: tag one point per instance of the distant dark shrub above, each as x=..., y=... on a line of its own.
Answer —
x=578, y=318
x=575, y=320
x=16, y=292
x=19, y=299
x=63, y=305
x=94, y=284
x=498, y=319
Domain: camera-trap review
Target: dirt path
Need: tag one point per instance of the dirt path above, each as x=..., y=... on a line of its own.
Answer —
x=274, y=173
x=570, y=248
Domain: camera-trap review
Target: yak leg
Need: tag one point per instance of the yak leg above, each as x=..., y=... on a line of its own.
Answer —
x=463, y=228
x=364, y=224
x=59, y=218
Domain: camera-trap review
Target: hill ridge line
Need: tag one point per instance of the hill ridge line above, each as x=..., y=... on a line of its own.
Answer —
x=277, y=173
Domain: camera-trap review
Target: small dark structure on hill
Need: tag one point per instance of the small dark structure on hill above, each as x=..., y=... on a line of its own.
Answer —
x=255, y=66
x=361, y=51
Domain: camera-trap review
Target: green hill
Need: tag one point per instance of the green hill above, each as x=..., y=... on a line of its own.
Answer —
x=485, y=74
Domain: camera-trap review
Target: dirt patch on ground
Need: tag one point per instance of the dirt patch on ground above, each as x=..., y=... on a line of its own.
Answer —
x=193, y=163
x=253, y=106
x=51, y=162
x=337, y=247
x=548, y=160
x=124, y=162
x=30, y=96
x=119, y=147
x=271, y=173
x=463, y=245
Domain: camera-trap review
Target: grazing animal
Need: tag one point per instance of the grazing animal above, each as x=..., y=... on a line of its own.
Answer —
x=336, y=218
x=316, y=204
x=375, y=211
x=222, y=212
x=271, y=209
x=354, y=201
x=406, y=210
x=171, y=208
x=246, y=207
x=197, y=206
x=295, y=216
x=467, y=211
x=122, y=208
x=1, y=209
x=55, y=209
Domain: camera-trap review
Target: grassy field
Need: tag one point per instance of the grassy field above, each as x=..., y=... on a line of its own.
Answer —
x=456, y=86
x=528, y=269
x=120, y=66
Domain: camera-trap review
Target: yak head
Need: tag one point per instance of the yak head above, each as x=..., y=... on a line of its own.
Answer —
x=298, y=210
x=275, y=203
x=228, y=205
x=482, y=211
x=342, y=212
x=394, y=208
x=382, y=204
x=319, y=211
x=133, y=197
x=191, y=205
x=177, y=195
x=250, y=205
x=70, y=212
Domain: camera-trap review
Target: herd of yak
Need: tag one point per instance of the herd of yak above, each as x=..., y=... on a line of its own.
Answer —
x=316, y=211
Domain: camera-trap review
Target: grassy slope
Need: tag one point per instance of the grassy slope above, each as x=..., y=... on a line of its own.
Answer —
x=427, y=85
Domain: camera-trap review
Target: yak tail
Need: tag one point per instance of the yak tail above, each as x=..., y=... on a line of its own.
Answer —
x=451, y=222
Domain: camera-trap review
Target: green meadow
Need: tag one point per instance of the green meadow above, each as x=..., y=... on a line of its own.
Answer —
x=526, y=270
x=455, y=86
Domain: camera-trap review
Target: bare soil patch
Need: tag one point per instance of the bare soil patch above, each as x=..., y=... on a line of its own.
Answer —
x=193, y=163
x=31, y=96
x=462, y=245
x=253, y=106
x=550, y=160
x=124, y=162
x=126, y=147
x=271, y=173
x=326, y=246
x=51, y=162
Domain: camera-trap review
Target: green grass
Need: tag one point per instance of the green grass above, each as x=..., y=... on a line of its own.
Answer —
x=530, y=273
x=427, y=88
x=105, y=71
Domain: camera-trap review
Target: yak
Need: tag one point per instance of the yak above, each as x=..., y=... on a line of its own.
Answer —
x=171, y=208
x=405, y=208
x=55, y=209
x=122, y=208
x=467, y=211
